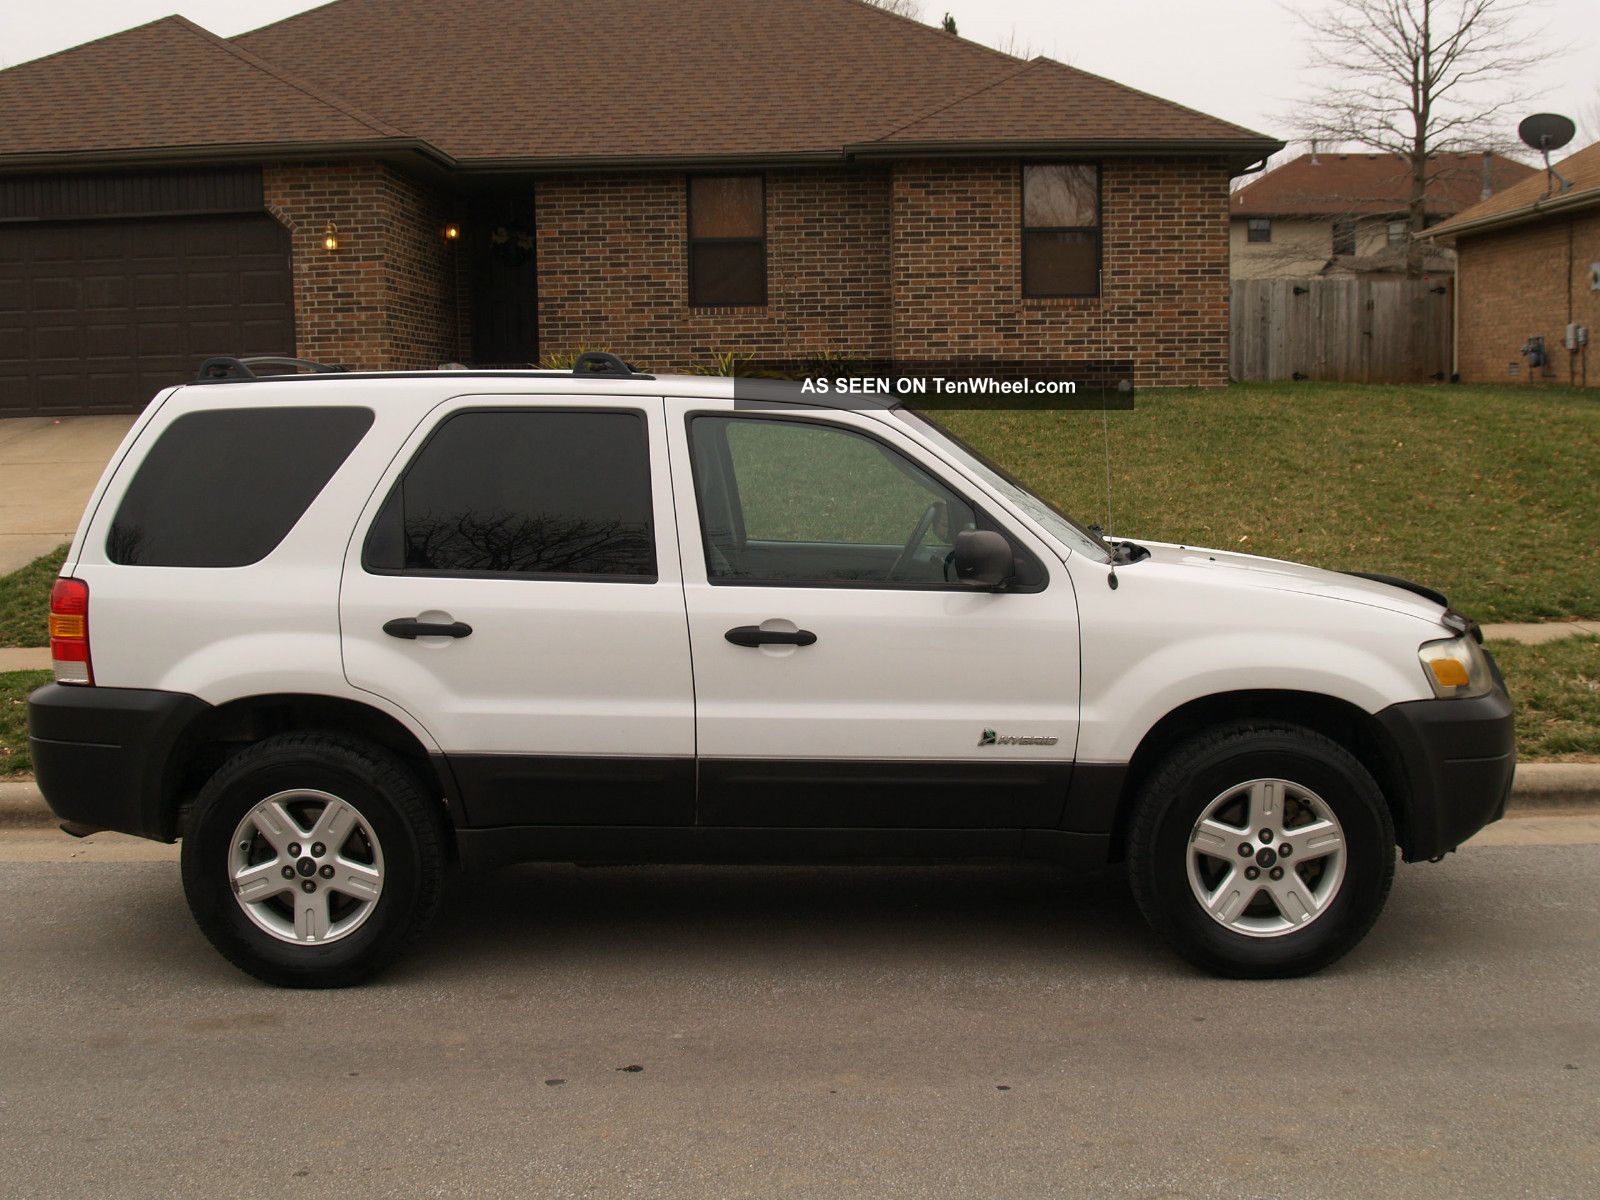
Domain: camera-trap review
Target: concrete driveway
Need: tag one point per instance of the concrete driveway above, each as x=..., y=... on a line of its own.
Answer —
x=48, y=468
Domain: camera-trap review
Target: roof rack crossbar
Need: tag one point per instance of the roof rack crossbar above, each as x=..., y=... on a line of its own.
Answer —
x=224, y=368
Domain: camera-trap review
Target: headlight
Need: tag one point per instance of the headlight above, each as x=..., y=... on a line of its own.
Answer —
x=1456, y=668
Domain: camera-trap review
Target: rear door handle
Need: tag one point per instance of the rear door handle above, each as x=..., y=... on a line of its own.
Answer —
x=410, y=628
x=754, y=635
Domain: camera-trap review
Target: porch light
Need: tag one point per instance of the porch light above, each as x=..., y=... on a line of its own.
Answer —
x=330, y=237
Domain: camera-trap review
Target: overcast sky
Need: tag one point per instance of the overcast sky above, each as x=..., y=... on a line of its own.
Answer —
x=1237, y=59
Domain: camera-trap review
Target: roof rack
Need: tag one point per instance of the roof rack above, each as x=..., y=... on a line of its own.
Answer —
x=223, y=369
x=599, y=362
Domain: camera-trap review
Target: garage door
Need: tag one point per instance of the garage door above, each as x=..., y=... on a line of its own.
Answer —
x=99, y=315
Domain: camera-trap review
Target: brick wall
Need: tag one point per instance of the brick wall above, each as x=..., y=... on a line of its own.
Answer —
x=1164, y=299
x=918, y=261
x=613, y=270
x=1516, y=282
x=386, y=298
x=921, y=261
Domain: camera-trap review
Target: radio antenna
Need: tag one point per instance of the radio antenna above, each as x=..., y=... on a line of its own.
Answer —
x=1105, y=430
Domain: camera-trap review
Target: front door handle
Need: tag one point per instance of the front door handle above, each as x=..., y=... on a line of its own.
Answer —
x=754, y=635
x=410, y=628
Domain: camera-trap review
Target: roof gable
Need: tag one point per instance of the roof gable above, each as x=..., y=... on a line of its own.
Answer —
x=1337, y=185
x=166, y=84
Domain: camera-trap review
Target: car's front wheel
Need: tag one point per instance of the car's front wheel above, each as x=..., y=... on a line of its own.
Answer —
x=312, y=860
x=1261, y=850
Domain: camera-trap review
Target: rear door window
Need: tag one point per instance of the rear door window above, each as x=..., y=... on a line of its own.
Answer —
x=529, y=493
x=224, y=488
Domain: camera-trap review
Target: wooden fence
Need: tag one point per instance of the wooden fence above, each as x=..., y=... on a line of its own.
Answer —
x=1353, y=330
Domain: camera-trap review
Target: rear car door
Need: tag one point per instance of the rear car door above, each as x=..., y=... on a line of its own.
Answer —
x=892, y=697
x=514, y=586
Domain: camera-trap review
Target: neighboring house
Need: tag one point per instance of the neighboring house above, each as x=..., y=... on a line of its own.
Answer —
x=396, y=184
x=1344, y=214
x=1529, y=267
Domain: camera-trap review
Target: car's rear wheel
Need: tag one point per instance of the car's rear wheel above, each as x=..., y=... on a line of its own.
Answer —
x=1261, y=850
x=312, y=860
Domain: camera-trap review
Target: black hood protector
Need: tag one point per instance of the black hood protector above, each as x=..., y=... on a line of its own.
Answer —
x=1416, y=589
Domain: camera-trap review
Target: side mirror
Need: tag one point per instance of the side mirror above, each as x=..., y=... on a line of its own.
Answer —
x=983, y=559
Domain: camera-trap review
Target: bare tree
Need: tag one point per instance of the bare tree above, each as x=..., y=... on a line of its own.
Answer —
x=1416, y=78
x=1016, y=45
x=1589, y=122
x=905, y=8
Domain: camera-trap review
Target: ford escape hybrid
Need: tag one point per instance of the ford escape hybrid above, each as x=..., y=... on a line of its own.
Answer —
x=340, y=632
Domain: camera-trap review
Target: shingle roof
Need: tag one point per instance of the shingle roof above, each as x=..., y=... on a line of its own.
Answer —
x=165, y=84
x=1533, y=196
x=1045, y=99
x=1370, y=184
x=576, y=79
x=554, y=82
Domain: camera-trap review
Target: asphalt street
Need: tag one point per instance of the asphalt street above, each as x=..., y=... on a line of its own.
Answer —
x=877, y=1032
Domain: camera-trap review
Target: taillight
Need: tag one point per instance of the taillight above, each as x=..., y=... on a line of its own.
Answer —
x=69, y=631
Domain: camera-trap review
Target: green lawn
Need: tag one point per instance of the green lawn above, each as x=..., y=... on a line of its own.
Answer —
x=1556, y=688
x=1491, y=494
x=25, y=601
x=14, y=689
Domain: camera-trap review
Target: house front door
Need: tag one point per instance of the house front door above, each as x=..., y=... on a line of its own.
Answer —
x=500, y=262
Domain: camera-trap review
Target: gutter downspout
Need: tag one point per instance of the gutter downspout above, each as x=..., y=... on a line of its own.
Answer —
x=1572, y=353
x=1455, y=321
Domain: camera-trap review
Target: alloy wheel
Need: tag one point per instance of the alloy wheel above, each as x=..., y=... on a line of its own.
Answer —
x=306, y=867
x=1266, y=857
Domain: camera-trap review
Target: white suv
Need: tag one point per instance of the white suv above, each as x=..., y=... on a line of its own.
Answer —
x=339, y=632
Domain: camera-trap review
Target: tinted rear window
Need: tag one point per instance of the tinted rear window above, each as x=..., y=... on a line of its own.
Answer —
x=549, y=493
x=222, y=489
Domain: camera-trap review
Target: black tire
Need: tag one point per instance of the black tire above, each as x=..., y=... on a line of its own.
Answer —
x=1179, y=791
x=405, y=822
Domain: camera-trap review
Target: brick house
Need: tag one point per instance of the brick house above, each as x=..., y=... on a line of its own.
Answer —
x=392, y=184
x=1344, y=214
x=1528, y=266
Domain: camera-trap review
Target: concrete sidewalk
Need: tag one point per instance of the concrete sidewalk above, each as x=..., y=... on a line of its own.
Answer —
x=1540, y=632
x=48, y=468
x=28, y=658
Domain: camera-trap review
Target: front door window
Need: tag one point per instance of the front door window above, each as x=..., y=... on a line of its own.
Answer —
x=807, y=503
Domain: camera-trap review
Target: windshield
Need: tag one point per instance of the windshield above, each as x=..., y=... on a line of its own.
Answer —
x=1055, y=522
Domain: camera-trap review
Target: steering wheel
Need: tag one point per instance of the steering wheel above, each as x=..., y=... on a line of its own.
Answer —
x=924, y=523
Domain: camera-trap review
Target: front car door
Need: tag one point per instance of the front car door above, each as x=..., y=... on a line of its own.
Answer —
x=514, y=586
x=842, y=680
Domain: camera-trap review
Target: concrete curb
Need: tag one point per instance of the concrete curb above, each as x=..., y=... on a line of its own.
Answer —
x=1538, y=787
x=1556, y=785
x=21, y=806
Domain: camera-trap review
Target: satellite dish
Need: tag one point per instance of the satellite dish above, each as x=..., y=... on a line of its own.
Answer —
x=1546, y=131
